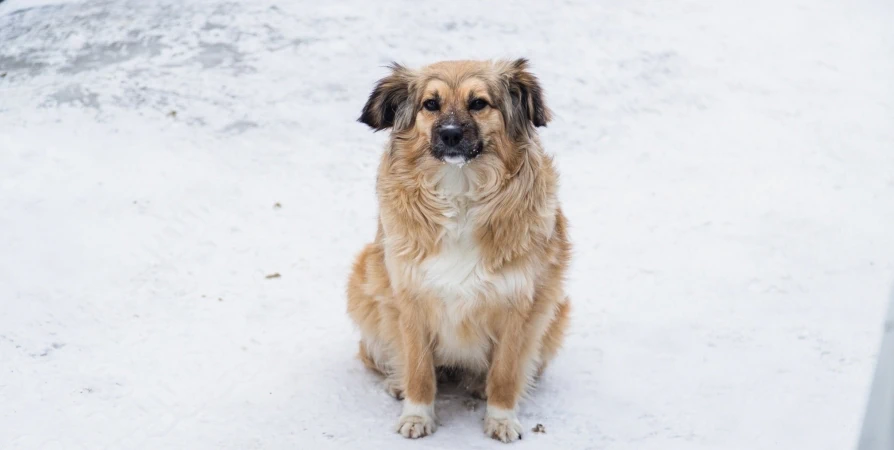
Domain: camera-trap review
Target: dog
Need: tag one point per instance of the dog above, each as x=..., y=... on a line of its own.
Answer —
x=466, y=270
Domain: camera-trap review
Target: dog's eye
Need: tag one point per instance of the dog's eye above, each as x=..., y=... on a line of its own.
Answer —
x=431, y=105
x=477, y=104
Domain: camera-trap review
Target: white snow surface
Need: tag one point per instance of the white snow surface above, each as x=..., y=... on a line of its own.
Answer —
x=727, y=170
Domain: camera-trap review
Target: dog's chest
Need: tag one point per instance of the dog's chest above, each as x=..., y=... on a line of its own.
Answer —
x=462, y=285
x=456, y=271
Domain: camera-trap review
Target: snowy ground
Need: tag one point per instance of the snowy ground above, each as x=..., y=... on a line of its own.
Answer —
x=728, y=170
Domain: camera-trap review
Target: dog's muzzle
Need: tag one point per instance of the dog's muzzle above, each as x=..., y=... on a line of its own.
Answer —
x=456, y=143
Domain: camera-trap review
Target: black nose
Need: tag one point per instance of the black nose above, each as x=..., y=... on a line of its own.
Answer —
x=450, y=135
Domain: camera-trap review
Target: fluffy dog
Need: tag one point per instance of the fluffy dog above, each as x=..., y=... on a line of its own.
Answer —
x=466, y=270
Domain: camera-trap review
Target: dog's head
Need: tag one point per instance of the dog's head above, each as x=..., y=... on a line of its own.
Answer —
x=458, y=110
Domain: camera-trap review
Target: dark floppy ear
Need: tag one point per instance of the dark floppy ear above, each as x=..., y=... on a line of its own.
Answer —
x=389, y=100
x=526, y=93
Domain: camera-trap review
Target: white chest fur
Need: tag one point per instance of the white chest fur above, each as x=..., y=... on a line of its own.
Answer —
x=456, y=272
x=457, y=276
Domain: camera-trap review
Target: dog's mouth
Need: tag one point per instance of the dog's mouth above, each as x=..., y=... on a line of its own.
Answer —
x=458, y=156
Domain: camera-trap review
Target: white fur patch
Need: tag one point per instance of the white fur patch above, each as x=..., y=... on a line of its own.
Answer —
x=498, y=413
x=418, y=409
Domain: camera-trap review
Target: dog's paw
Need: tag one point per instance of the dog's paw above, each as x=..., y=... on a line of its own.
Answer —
x=394, y=389
x=502, y=425
x=416, y=421
x=479, y=392
x=414, y=427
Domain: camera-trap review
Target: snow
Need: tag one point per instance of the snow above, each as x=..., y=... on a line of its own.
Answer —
x=727, y=169
x=877, y=432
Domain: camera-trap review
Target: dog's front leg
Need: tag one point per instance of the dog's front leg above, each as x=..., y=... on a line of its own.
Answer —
x=418, y=416
x=513, y=364
x=506, y=381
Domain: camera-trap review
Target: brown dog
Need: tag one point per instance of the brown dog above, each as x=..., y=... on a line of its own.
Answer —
x=467, y=267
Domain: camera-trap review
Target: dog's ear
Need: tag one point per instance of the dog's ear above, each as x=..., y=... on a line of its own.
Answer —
x=389, y=101
x=526, y=94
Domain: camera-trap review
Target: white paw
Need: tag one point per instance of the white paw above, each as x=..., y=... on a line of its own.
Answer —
x=416, y=421
x=502, y=425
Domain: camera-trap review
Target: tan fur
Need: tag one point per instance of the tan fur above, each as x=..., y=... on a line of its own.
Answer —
x=505, y=314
